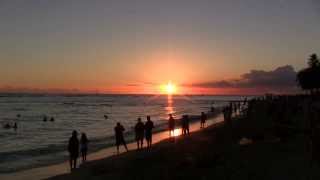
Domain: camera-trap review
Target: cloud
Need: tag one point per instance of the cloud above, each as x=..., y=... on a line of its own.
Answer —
x=11, y=89
x=280, y=79
x=133, y=85
x=137, y=84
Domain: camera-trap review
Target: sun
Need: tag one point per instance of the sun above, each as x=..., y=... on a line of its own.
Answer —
x=169, y=88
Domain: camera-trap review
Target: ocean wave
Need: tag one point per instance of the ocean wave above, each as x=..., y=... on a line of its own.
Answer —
x=87, y=104
x=20, y=109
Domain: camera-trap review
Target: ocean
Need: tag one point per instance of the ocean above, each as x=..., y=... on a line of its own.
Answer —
x=38, y=143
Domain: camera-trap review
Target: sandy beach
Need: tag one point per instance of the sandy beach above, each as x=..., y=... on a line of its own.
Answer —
x=63, y=168
x=208, y=154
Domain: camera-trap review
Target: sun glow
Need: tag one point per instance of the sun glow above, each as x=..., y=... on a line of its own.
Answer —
x=169, y=88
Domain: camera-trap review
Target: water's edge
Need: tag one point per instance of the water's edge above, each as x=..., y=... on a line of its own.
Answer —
x=95, y=145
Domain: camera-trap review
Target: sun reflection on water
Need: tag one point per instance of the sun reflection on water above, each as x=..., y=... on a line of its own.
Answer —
x=169, y=107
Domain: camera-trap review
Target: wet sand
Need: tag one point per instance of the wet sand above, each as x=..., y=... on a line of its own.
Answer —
x=63, y=168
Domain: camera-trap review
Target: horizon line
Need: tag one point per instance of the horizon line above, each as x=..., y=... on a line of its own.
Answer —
x=127, y=94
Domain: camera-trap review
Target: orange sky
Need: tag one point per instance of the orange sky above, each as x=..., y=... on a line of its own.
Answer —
x=135, y=46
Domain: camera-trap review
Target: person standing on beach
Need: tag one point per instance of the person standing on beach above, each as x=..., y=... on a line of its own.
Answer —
x=228, y=122
x=212, y=109
x=185, y=125
x=148, y=128
x=139, y=130
x=203, y=120
x=84, y=146
x=73, y=148
x=119, y=129
x=171, y=124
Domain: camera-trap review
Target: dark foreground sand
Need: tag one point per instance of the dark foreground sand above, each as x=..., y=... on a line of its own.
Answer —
x=211, y=153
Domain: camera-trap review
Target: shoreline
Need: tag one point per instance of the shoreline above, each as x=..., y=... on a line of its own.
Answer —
x=31, y=157
x=63, y=168
x=244, y=147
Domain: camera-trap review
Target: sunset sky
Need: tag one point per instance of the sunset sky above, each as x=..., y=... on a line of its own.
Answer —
x=135, y=46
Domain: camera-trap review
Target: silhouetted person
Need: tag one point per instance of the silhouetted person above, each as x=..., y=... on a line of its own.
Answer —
x=227, y=111
x=212, y=109
x=139, y=130
x=185, y=125
x=15, y=126
x=84, y=146
x=148, y=131
x=52, y=119
x=171, y=124
x=119, y=129
x=45, y=119
x=73, y=148
x=203, y=120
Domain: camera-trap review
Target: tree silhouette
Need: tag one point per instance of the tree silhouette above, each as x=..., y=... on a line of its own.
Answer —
x=313, y=61
x=309, y=78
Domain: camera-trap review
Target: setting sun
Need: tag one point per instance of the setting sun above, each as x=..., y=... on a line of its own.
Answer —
x=169, y=88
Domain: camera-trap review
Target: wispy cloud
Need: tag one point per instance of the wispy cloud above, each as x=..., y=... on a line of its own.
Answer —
x=136, y=84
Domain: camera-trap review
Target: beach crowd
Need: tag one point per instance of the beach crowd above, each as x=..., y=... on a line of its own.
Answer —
x=143, y=131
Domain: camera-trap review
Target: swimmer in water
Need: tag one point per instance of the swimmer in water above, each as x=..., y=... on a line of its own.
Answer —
x=7, y=126
x=15, y=126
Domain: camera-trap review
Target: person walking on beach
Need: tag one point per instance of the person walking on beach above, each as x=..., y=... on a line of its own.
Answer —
x=171, y=124
x=84, y=146
x=119, y=129
x=73, y=148
x=185, y=125
x=203, y=120
x=148, y=128
x=139, y=130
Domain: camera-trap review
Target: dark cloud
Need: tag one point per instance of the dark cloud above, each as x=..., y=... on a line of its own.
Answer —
x=282, y=78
